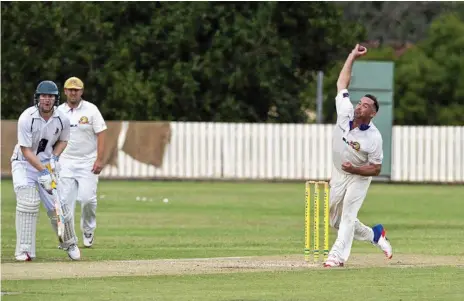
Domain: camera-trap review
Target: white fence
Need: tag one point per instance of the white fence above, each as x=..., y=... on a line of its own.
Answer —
x=430, y=154
x=289, y=152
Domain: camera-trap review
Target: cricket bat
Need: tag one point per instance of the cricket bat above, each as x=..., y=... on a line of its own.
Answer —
x=57, y=201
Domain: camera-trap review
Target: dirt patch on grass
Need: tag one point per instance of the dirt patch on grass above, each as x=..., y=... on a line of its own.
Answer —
x=83, y=269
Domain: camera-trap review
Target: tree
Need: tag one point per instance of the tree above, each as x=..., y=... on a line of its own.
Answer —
x=207, y=61
x=430, y=78
x=388, y=21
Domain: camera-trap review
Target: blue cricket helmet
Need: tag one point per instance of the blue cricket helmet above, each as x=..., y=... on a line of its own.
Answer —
x=47, y=87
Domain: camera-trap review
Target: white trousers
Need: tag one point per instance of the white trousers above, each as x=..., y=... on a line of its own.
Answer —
x=347, y=194
x=79, y=183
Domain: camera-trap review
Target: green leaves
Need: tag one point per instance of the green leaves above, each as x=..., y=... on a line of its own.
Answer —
x=196, y=61
x=429, y=86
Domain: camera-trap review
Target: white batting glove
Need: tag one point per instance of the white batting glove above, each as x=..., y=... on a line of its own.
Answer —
x=55, y=164
x=45, y=180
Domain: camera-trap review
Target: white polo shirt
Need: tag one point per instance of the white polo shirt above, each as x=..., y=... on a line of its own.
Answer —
x=86, y=121
x=359, y=146
x=40, y=135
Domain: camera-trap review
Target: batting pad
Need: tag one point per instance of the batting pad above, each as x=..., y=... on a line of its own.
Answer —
x=27, y=213
x=69, y=233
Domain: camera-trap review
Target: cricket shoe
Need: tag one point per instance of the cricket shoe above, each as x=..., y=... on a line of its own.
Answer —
x=381, y=240
x=333, y=262
x=73, y=252
x=23, y=257
x=88, y=239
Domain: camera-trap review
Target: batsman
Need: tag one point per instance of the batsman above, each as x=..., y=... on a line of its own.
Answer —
x=43, y=133
x=357, y=157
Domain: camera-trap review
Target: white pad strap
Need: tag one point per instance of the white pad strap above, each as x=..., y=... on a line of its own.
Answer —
x=27, y=212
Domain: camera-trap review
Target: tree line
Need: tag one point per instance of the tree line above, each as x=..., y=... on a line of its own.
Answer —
x=212, y=61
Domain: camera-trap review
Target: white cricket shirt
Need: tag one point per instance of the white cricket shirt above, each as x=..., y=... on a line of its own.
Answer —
x=359, y=146
x=86, y=121
x=40, y=135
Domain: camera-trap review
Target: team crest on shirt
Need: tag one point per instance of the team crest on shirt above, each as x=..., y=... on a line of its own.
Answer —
x=83, y=120
x=354, y=144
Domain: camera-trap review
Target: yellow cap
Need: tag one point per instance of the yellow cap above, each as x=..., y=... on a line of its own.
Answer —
x=73, y=83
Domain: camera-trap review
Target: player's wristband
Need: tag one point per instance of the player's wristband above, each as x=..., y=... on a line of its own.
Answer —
x=55, y=158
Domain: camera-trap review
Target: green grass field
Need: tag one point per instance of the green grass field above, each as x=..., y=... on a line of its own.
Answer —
x=203, y=220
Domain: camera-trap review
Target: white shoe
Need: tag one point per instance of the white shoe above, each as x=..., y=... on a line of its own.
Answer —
x=381, y=241
x=333, y=262
x=23, y=257
x=88, y=239
x=73, y=252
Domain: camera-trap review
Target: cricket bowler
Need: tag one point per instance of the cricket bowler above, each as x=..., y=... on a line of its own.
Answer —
x=357, y=157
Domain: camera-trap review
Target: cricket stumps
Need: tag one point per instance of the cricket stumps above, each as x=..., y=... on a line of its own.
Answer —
x=312, y=197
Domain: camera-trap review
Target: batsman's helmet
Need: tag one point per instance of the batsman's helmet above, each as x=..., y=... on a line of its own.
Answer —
x=47, y=87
